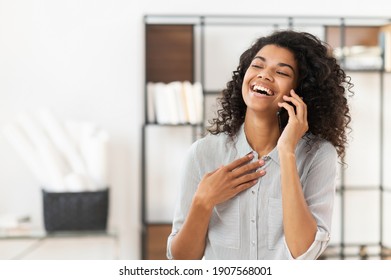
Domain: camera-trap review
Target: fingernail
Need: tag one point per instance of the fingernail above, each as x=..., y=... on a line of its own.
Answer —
x=251, y=154
x=262, y=172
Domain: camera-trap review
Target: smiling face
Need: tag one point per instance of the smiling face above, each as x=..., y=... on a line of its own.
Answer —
x=272, y=74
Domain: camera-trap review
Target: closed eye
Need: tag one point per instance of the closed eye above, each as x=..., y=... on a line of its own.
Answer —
x=283, y=73
x=256, y=66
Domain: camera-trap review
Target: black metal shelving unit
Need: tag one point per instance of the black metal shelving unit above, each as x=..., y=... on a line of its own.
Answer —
x=342, y=249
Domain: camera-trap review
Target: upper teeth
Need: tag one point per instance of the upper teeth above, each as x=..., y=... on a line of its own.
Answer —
x=261, y=88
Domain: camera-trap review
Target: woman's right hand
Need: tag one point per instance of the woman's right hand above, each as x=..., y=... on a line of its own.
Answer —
x=227, y=181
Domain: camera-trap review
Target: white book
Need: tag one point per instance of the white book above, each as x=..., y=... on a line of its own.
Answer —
x=151, y=116
x=172, y=108
x=161, y=103
x=177, y=89
x=198, y=96
x=190, y=101
x=184, y=102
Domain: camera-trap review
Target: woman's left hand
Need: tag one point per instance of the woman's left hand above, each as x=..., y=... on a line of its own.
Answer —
x=297, y=124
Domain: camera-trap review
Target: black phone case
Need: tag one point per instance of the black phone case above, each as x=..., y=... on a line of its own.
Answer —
x=283, y=117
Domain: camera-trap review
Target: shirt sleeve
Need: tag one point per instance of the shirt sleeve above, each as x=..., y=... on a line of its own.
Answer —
x=190, y=179
x=316, y=249
x=319, y=191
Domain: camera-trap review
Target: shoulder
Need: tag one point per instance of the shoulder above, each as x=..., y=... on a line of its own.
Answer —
x=211, y=142
x=316, y=156
x=210, y=149
x=314, y=147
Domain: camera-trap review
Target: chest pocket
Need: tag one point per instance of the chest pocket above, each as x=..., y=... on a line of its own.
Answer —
x=224, y=227
x=274, y=222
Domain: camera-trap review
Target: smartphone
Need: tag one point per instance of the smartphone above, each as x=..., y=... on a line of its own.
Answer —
x=283, y=117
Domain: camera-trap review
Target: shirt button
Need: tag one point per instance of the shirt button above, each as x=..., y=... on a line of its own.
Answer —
x=253, y=221
x=253, y=192
x=253, y=243
x=265, y=158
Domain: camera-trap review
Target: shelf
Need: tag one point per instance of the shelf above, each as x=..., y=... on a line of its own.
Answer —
x=200, y=48
x=39, y=244
x=39, y=234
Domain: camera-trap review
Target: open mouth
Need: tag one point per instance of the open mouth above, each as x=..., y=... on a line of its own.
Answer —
x=262, y=90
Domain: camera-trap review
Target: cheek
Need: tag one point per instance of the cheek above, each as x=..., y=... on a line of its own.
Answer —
x=246, y=80
x=245, y=95
x=244, y=88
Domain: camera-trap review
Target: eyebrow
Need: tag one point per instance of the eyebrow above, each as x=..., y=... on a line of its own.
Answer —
x=281, y=64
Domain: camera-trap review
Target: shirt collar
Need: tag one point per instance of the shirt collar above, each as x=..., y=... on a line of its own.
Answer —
x=243, y=147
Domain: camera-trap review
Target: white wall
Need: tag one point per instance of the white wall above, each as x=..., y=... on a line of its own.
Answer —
x=84, y=59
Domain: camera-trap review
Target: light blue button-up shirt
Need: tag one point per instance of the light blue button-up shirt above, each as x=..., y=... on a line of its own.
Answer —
x=249, y=226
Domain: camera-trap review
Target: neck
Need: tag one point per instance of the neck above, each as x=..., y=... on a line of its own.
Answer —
x=262, y=134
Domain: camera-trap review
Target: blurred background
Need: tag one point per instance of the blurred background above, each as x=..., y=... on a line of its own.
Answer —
x=85, y=61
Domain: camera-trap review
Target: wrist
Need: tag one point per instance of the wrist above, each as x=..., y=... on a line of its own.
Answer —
x=202, y=204
x=285, y=150
x=286, y=154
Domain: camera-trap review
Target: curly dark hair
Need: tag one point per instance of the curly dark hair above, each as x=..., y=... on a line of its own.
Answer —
x=322, y=83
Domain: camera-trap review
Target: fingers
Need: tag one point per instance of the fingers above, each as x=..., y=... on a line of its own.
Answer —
x=227, y=181
x=248, y=168
x=237, y=163
x=243, y=165
x=300, y=108
x=300, y=104
x=238, y=167
x=245, y=186
x=247, y=174
x=245, y=181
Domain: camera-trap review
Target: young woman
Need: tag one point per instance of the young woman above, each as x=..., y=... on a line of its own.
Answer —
x=256, y=187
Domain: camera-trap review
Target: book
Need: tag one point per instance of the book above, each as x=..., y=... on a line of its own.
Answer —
x=175, y=102
x=151, y=116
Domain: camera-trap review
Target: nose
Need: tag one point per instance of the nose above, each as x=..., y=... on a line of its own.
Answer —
x=265, y=75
